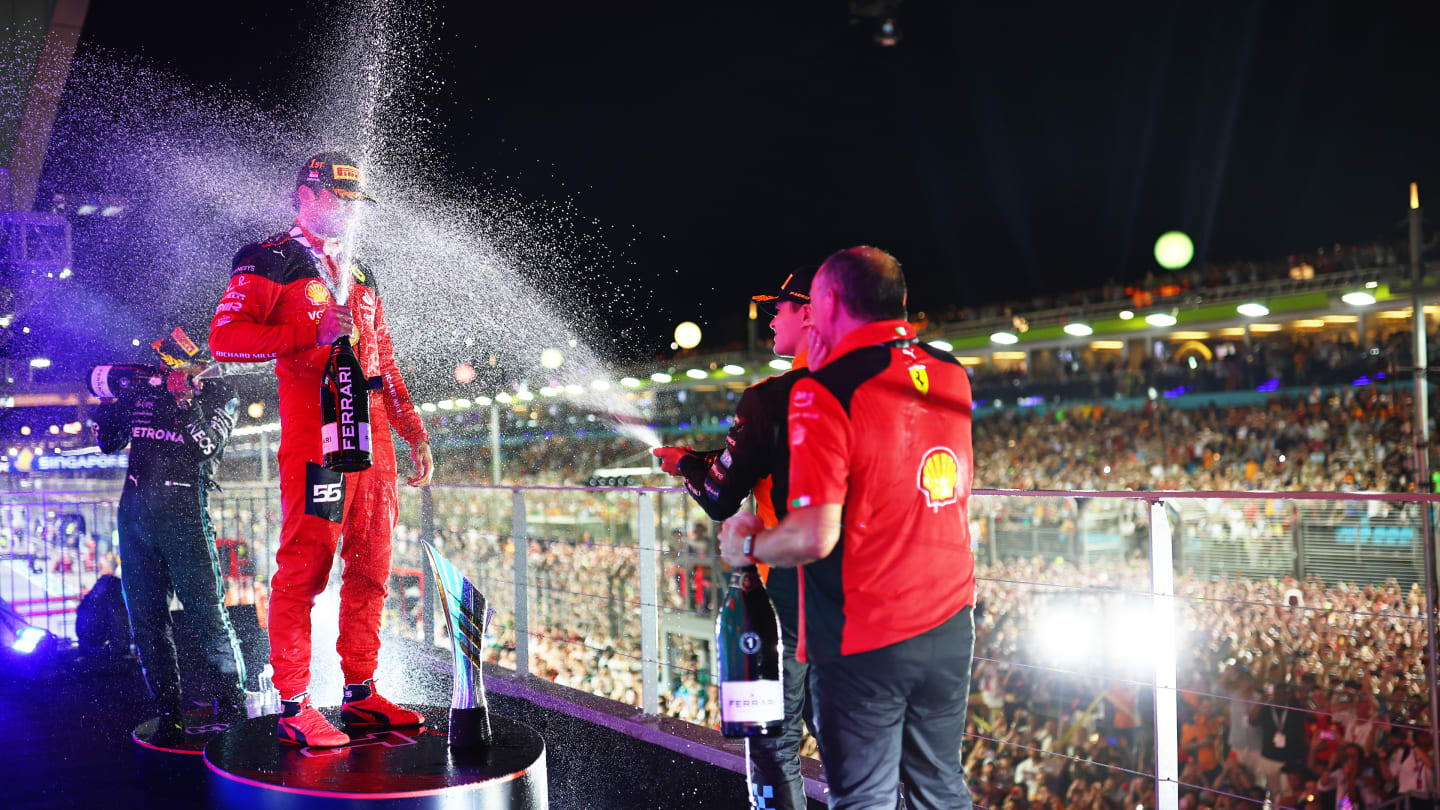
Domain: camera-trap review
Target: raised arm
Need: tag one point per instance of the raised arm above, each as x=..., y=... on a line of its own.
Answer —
x=240, y=331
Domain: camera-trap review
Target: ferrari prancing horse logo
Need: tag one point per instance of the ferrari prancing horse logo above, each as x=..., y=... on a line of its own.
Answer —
x=921, y=378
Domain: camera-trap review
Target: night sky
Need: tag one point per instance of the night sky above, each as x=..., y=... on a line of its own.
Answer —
x=1000, y=153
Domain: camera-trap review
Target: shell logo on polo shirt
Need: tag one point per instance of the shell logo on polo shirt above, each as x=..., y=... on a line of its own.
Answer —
x=316, y=292
x=938, y=477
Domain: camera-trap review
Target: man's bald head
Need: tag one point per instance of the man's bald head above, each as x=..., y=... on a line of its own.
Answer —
x=868, y=282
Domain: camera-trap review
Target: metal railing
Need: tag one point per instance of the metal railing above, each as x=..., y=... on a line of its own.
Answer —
x=1094, y=599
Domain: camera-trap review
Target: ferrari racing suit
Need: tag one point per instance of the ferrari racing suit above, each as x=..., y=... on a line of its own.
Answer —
x=279, y=290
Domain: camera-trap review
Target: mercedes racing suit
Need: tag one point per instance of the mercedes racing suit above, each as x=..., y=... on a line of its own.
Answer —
x=271, y=310
x=166, y=545
x=756, y=457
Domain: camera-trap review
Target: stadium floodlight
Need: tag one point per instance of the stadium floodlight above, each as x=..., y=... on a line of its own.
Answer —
x=1004, y=338
x=524, y=396
x=1126, y=314
x=574, y=390
x=39, y=362
x=446, y=404
x=733, y=369
x=1160, y=319
x=135, y=342
x=427, y=407
x=504, y=397
x=462, y=403
x=110, y=210
x=256, y=410
x=942, y=345
x=687, y=335
x=1174, y=250
x=780, y=364
x=660, y=377
x=65, y=272
x=1359, y=298
x=548, y=391
x=1078, y=329
x=697, y=374
x=482, y=401
x=87, y=209
x=600, y=385
x=552, y=358
x=1253, y=309
x=629, y=382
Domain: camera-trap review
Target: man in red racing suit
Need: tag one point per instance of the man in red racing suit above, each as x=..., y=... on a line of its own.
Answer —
x=280, y=305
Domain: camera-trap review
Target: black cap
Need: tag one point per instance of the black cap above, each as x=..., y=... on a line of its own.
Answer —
x=336, y=171
x=795, y=288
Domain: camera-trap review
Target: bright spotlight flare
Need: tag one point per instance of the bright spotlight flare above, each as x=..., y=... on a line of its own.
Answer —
x=1174, y=250
x=467, y=618
x=687, y=335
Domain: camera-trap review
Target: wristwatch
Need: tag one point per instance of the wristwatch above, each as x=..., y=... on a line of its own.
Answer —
x=749, y=549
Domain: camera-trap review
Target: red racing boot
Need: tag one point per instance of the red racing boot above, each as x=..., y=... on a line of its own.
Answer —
x=364, y=706
x=301, y=723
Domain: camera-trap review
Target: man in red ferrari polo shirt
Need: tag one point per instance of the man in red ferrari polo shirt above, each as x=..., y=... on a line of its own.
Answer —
x=879, y=438
x=282, y=304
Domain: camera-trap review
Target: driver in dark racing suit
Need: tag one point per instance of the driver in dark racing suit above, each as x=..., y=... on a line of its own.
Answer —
x=176, y=427
x=756, y=458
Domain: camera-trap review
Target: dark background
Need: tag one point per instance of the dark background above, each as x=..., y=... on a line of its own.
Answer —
x=1000, y=153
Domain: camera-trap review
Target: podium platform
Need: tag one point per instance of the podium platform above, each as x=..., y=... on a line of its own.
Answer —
x=390, y=768
x=175, y=770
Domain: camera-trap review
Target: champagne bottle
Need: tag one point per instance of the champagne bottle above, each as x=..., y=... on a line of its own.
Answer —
x=344, y=411
x=118, y=381
x=747, y=646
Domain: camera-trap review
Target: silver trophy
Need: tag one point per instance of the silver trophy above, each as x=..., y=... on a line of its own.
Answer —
x=467, y=617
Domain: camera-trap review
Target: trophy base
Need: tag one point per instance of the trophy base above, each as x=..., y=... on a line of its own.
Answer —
x=390, y=768
x=470, y=728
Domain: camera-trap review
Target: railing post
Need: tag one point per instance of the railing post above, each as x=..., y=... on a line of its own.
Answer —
x=1162, y=584
x=520, y=536
x=1297, y=536
x=1427, y=534
x=428, y=585
x=649, y=609
x=991, y=541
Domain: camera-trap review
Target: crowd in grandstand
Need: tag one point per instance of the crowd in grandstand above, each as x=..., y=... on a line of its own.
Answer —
x=1345, y=439
x=1337, y=669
